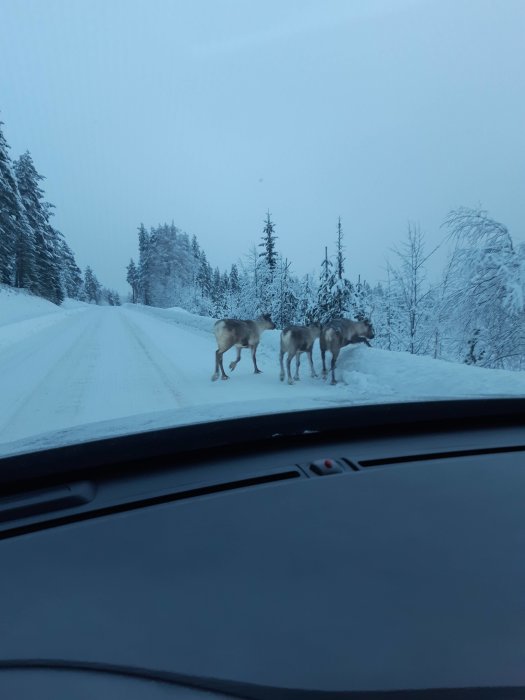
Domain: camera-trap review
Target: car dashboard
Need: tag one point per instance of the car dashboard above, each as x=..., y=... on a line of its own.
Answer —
x=363, y=553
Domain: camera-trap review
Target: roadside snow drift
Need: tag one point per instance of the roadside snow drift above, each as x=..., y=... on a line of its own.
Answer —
x=85, y=371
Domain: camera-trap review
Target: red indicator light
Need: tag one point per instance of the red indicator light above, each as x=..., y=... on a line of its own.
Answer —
x=328, y=463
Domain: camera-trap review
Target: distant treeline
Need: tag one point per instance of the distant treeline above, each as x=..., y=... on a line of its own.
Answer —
x=33, y=254
x=474, y=313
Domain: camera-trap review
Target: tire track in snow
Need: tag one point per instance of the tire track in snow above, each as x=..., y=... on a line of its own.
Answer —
x=158, y=362
x=55, y=396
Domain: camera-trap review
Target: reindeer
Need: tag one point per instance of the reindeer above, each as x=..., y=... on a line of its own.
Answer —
x=340, y=332
x=294, y=341
x=242, y=334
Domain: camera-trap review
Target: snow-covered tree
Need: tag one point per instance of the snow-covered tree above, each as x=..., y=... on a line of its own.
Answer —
x=412, y=290
x=218, y=293
x=269, y=253
x=306, y=300
x=204, y=281
x=234, y=291
x=144, y=265
x=33, y=254
x=342, y=289
x=171, y=268
x=485, y=291
x=388, y=316
x=15, y=242
x=47, y=241
x=92, y=287
x=363, y=302
x=234, y=282
x=325, y=307
x=70, y=273
x=283, y=308
x=109, y=297
x=25, y=264
x=133, y=279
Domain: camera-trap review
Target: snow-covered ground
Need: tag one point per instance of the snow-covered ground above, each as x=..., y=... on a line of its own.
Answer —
x=83, y=371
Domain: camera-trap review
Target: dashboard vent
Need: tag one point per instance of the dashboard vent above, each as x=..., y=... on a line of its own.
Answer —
x=34, y=521
x=403, y=459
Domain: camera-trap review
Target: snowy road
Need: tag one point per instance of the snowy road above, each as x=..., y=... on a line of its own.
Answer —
x=99, y=363
x=77, y=366
x=91, y=365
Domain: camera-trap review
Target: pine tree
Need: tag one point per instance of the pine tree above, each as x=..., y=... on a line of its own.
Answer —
x=47, y=272
x=92, y=288
x=266, y=269
x=324, y=310
x=307, y=301
x=204, y=277
x=144, y=265
x=195, y=261
x=110, y=296
x=133, y=279
x=195, y=249
x=225, y=284
x=71, y=276
x=235, y=286
x=285, y=299
x=25, y=254
x=13, y=226
x=172, y=271
x=342, y=288
x=268, y=243
x=217, y=295
x=359, y=301
x=340, y=259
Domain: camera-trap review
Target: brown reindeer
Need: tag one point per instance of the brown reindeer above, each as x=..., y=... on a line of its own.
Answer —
x=294, y=341
x=242, y=334
x=340, y=332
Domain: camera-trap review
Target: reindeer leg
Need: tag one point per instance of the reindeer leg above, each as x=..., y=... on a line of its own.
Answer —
x=335, y=355
x=297, y=365
x=323, y=358
x=223, y=373
x=215, y=375
x=312, y=368
x=281, y=355
x=233, y=364
x=288, y=367
x=256, y=370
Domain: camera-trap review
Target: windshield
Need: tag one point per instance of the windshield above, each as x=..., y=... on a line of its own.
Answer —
x=219, y=208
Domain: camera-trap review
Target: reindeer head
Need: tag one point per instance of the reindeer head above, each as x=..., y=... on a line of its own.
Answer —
x=264, y=321
x=368, y=329
x=315, y=328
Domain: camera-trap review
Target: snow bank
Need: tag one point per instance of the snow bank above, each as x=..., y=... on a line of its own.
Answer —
x=401, y=376
x=23, y=314
x=177, y=316
x=19, y=305
x=73, y=304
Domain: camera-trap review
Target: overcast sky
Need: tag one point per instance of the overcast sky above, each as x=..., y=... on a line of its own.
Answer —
x=209, y=112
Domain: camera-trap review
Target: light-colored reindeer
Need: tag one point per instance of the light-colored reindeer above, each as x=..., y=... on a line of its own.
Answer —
x=340, y=332
x=242, y=334
x=294, y=341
